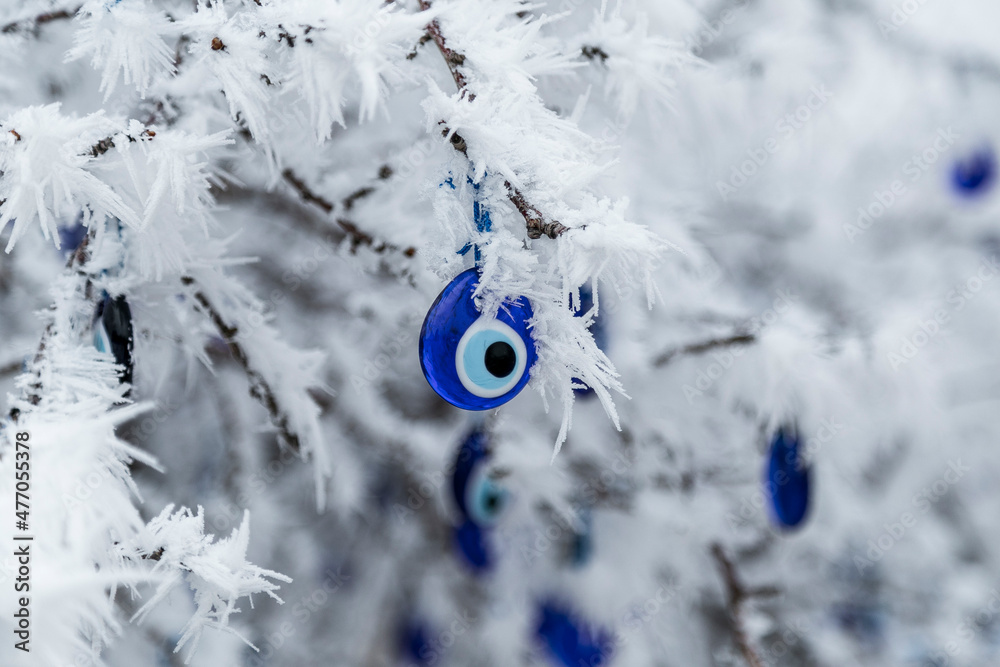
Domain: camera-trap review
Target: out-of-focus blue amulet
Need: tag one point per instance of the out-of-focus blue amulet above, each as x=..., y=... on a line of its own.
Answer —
x=472, y=361
x=973, y=174
x=787, y=479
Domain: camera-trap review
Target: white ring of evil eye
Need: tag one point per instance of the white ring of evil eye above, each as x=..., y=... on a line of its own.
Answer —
x=472, y=348
x=480, y=483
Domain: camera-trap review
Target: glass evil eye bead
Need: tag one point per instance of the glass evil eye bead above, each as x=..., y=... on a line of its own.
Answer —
x=974, y=173
x=113, y=333
x=415, y=644
x=570, y=641
x=478, y=497
x=471, y=361
x=787, y=479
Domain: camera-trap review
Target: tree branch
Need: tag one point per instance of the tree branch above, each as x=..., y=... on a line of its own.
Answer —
x=356, y=234
x=534, y=220
x=705, y=346
x=736, y=595
x=32, y=24
x=259, y=387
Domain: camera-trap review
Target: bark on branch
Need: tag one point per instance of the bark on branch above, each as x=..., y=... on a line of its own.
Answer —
x=705, y=346
x=534, y=221
x=33, y=24
x=259, y=387
x=736, y=595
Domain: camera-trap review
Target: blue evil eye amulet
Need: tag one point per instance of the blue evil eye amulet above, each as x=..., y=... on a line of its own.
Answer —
x=113, y=332
x=473, y=361
x=570, y=641
x=787, y=479
x=479, y=499
x=973, y=174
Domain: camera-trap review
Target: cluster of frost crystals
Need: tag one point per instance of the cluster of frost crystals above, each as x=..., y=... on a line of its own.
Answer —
x=216, y=571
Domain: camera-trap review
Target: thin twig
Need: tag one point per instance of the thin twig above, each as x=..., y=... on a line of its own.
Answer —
x=259, y=387
x=534, y=220
x=736, y=595
x=705, y=346
x=358, y=236
x=32, y=24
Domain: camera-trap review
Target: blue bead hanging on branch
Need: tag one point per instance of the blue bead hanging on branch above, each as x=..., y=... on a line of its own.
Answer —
x=571, y=641
x=479, y=498
x=113, y=333
x=787, y=479
x=973, y=174
x=473, y=361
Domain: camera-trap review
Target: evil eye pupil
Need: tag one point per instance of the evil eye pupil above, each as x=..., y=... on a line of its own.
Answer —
x=490, y=358
x=501, y=359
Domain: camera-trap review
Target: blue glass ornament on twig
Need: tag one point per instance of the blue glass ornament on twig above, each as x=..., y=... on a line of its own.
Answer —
x=480, y=500
x=787, y=479
x=472, y=361
x=414, y=643
x=569, y=640
x=113, y=333
x=973, y=174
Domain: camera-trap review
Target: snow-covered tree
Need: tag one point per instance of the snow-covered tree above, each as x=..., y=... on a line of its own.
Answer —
x=757, y=240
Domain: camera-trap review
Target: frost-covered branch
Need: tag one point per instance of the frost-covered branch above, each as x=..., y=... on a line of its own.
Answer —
x=534, y=221
x=32, y=24
x=260, y=389
x=736, y=595
x=216, y=570
x=357, y=235
x=704, y=346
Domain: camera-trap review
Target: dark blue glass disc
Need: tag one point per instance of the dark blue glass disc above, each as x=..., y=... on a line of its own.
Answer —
x=787, y=479
x=974, y=174
x=572, y=642
x=474, y=362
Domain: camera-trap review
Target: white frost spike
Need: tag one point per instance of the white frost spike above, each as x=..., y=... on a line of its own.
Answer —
x=44, y=158
x=172, y=167
x=230, y=49
x=217, y=571
x=636, y=61
x=368, y=37
x=126, y=37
